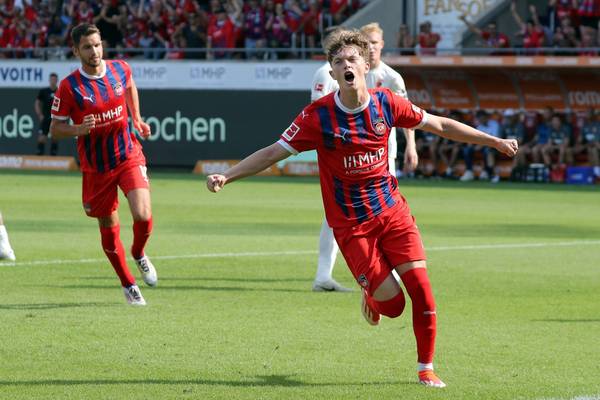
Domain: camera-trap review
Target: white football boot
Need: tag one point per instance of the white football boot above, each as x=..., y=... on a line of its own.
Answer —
x=147, y=270
x=133, y=295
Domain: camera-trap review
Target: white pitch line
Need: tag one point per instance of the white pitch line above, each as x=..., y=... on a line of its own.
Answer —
x=305, y=252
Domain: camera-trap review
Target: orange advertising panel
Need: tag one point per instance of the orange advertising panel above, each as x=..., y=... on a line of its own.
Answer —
x=417, y=91
x=450, y=90
x=495, y=90
x=582, y=89
x=540, y=89
x=208, y=167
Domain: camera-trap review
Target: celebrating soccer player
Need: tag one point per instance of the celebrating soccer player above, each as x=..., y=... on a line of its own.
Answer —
x=379, y=75
x=96, y=97
x=371, y=220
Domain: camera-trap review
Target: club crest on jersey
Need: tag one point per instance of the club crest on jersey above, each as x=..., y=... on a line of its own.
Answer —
x=291, y=131
x=363, y=281
x=379, y=126
x=118, y=88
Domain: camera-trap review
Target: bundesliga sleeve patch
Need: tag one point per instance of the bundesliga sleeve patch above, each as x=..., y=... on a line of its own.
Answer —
x=56, y=104
x=319, y=87
x=291, y=131
x=417, y=109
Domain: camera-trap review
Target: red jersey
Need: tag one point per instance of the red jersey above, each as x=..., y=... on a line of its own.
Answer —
x=352, y=149
x=111, y=142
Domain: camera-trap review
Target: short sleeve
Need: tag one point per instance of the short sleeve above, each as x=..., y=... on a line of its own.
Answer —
x=406, y=114
x=397, y=85
x=62, y=103
x=40, y=95
x=302, y=134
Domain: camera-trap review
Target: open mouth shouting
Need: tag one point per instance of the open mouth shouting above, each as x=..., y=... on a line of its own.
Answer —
x=349, y=77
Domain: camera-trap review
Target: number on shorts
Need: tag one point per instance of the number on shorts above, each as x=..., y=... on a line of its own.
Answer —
x=143, y=171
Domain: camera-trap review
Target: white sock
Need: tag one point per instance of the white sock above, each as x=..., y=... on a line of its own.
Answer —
x=3, y=236
x=423, y=367
x=328, y=249
x=597, y=170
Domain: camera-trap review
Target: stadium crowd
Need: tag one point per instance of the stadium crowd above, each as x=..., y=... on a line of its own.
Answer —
x=565, y=24
x=170, y=24
x=548, y=141
x=157, y=29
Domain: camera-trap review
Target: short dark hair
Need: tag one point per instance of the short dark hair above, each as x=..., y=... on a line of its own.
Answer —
x=83, y=29
x=53, y=74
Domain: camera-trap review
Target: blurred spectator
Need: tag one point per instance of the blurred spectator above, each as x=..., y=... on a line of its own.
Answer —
x=531, y=32
x=254, y=29
x=490, y=36
x=278, y=31
x=559, y=9
x=194, y=35
x=428, y=40
x=559, y=142
x=542, y=134
x=588, y=141
x=565, y=35
x=491, y=127
x=339, y=10
x=428, y=144
x=406, y=41
x=220, y=35
x=449, y=150
x=310, y=23
x=108, y=22
x=589, y=20
x=513, y=128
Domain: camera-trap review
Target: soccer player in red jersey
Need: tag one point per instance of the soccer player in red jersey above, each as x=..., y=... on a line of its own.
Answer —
x=371, y=220
x=96, y=98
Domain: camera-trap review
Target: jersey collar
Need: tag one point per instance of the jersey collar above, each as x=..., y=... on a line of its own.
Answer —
x=347, y=110
x=82, y=72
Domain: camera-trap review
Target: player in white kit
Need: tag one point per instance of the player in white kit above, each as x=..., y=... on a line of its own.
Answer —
x=380, y=75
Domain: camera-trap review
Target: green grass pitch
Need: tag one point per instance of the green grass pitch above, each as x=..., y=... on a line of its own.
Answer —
x=515, y=270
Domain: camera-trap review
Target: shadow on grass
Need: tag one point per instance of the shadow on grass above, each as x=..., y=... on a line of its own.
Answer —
x=185, y=287
x=260, y=380
x=49, y=306
x=567, y=321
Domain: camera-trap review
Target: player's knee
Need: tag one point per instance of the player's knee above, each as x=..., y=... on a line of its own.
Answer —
x=393, y=307
x=142, y=215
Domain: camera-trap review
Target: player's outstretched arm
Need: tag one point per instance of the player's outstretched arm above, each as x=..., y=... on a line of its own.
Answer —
x=62, y=129
x=251, y=165
x=459, y=132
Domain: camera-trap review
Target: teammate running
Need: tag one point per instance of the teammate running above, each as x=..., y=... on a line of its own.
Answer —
x=96, y=97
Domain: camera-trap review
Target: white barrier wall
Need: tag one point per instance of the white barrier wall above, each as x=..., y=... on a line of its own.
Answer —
x=295, y=75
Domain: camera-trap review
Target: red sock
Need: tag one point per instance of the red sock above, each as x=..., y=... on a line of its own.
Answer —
x=418, y=287
x=141, y=233
x=113, y=248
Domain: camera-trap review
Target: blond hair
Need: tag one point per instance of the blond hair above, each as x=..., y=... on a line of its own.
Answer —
x=346, y=38
x=370, y=28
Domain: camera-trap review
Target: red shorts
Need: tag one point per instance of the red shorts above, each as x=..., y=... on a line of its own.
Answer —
x=373, y=248
x=99, y=189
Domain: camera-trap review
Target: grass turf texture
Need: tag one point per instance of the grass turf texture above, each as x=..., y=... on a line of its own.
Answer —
x=514, y=323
